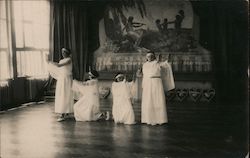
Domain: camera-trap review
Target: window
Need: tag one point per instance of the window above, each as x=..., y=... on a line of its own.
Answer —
x=29, y=38
x=31, y=19
x=5, y=56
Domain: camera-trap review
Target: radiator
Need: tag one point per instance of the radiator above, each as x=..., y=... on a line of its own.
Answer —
x=34, y=87
x=5, y=96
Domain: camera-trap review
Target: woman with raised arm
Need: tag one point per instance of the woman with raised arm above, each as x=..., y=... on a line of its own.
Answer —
x=62, y=72
x=157, y=78
x=122, y=92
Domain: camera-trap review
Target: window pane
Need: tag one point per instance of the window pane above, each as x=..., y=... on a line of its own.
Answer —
x=2, y=10
x=5, y=71
x=41, y=12
x=18, y=62
x=3, y=34
x=32, y=30
x=19, y=34
x=28, y=10
x=41, y=38
x=28, y=34
x=18, y=15
x=31, y=63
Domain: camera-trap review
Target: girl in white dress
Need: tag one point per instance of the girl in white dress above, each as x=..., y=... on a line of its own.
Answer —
x=62, y=72
x=87, y=107
x=122, y=107
x=153, y=97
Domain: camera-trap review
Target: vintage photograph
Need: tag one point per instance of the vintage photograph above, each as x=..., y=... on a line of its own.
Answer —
x=124, y=79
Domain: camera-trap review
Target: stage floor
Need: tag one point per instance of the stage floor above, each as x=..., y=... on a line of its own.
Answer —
x=33, y=132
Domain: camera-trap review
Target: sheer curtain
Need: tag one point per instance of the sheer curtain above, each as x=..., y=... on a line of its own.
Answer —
x=6, y=70
x=24, y=42
x=31, y=25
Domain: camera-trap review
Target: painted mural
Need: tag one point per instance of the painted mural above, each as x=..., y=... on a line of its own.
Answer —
x=166, y=27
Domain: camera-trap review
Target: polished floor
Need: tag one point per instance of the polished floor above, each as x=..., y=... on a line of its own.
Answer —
x=32, y=132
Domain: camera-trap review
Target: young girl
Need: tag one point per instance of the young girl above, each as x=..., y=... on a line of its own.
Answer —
x=122, y=107
x=62, y=72
x=87, y=107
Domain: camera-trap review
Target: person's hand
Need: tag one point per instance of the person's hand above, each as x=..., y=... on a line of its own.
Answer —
x=139, y=72
x=159, y=57
x=167, y=58
x=125, y=77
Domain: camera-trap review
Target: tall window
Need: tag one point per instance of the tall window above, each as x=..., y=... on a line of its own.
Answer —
x=5, y=56
x=29, y=38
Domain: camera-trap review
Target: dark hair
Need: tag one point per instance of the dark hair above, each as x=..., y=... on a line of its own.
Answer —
x=115, y=79
x=181, y=12
x=130, y=18
x=178, y=17
x=66, y=50
x=94, y=73
x=157, y=21
x=151, y=52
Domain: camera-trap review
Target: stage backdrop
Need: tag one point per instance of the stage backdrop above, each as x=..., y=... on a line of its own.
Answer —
x=169, y=28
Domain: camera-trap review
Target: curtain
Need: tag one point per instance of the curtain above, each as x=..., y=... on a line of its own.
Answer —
x=6, y=69
x=223, y=30
x=75, y=25
x=69, y=28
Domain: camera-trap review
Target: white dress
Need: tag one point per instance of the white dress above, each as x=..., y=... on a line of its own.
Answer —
x=153, y=110
x=63, y=97
x=87, y=107
x=122, y=107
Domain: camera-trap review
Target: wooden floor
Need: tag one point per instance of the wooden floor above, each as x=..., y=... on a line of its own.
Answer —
x=32, y=132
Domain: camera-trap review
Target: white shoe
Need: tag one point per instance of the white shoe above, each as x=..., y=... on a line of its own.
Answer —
x=100, y=116
x=60, y=119
x=107, y=115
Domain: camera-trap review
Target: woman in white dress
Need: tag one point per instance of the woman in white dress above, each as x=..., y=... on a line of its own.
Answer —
x=122, y=107
x=153, y=110
x=62, y=72
x=87, y=107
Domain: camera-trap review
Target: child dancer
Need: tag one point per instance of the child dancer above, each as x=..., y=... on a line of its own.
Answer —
x=62, y=72
x=122, y=107
x=87, y=107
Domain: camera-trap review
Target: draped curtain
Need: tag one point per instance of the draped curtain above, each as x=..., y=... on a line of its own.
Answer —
x=69, y=29
x=6, y=66
x=74, y=25
x=223, y=30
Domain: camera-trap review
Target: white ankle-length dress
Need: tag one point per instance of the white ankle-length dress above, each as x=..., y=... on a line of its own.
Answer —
x=153, y=109
x=122, y=109
x=87, y=108
x=63, y=96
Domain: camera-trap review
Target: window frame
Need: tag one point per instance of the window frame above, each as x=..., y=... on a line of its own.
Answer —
x=11, y=35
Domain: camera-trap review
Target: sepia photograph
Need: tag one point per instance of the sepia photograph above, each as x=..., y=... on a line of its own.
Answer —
x=124, y=79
